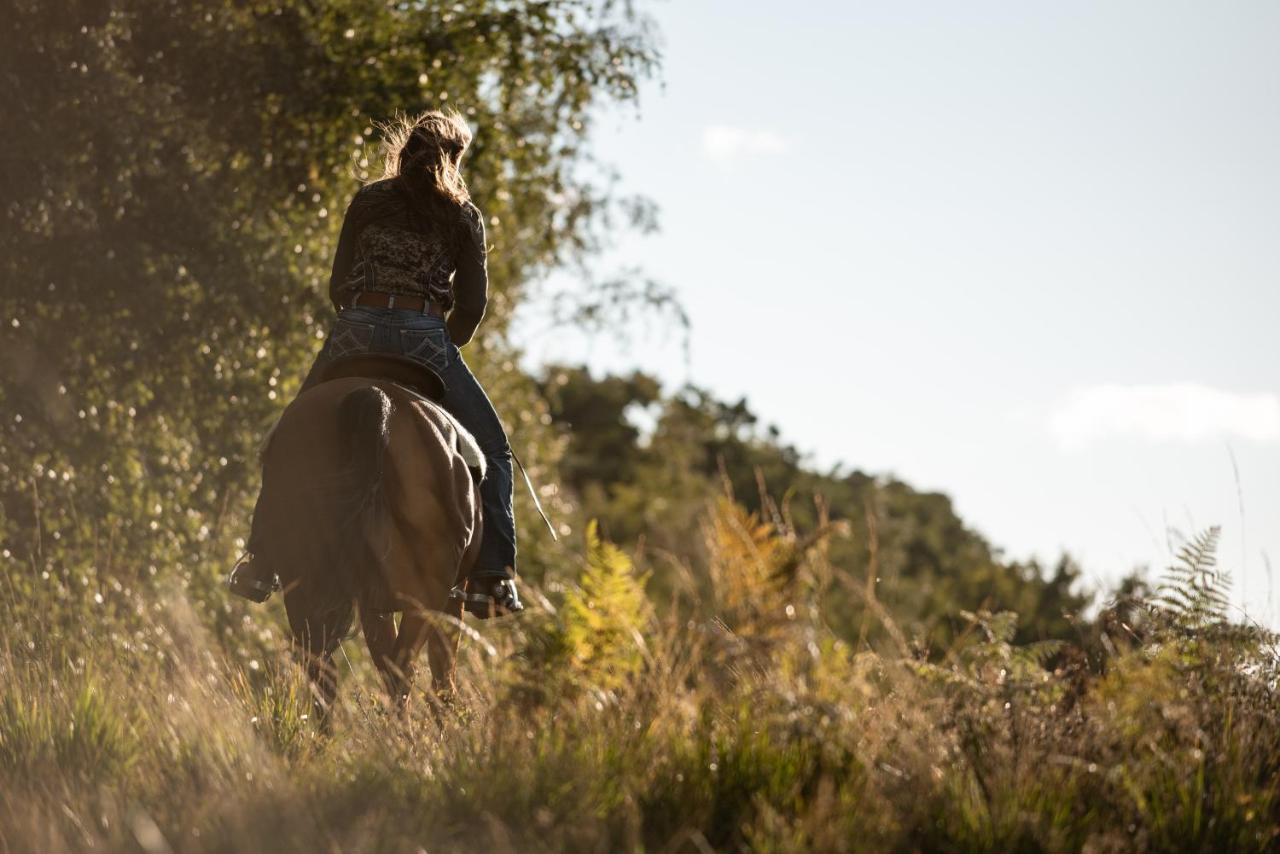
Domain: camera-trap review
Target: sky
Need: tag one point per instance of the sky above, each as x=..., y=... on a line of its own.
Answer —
x=1026, y=254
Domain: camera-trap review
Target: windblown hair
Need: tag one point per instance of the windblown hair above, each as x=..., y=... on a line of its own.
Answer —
x=423, y=155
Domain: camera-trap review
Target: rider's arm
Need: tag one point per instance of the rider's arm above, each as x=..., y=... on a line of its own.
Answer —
x=471, y=281
x=343, y=257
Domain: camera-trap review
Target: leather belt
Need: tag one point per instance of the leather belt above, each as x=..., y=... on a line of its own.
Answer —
x=404, y=302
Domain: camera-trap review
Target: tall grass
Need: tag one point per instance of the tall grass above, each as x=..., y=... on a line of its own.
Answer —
x=137, y=718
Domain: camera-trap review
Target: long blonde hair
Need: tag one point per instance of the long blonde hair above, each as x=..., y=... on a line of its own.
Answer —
x=423, y=153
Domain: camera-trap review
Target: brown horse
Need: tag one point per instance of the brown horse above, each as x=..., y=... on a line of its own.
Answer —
x=367, y=503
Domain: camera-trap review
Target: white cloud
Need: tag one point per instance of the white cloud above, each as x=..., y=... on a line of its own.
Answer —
x=1176, y=412
x=726, y=144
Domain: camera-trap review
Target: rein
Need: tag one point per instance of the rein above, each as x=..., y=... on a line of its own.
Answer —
x=533, y=493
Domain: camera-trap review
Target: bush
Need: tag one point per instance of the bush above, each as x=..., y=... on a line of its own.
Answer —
x=604, y=722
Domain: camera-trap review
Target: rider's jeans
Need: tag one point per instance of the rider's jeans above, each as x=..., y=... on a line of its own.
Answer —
x=425, y=339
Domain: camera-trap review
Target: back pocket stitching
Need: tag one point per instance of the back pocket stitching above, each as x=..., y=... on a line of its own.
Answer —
x=428, y=346
x=350, y=338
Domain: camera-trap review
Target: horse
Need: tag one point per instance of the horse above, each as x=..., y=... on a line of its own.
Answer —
x=370, y=502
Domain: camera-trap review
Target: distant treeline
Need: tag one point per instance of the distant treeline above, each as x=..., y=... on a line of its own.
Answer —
x=648, y=486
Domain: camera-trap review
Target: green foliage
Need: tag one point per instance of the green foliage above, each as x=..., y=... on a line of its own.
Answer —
x=652, y=485
x=995, y=659
x=734, y=730
x=604, y=618
x=176, y=174
x=1195, y=594
x=82, y=733
x=282, y=708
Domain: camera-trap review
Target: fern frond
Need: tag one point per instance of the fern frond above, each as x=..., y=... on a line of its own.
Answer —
x=1195, y=592
x=1040, y=652
x=603, y=617
x=1199, y=555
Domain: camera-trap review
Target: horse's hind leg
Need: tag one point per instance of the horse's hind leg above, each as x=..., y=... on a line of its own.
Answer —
x=380, y=637
x=324, y=687
x=415, y=627
x=442, y=652
x=314, y=641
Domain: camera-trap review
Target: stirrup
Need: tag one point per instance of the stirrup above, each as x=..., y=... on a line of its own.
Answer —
x=242, y=582
x=499, y=599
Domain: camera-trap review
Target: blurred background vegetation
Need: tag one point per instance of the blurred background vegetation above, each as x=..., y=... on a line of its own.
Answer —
x=174, y=178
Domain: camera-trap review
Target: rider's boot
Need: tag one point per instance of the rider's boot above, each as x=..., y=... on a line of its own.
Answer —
x=252, y=581
x=489, y=596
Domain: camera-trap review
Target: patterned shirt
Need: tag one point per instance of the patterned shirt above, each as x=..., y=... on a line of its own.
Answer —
x=386, y=247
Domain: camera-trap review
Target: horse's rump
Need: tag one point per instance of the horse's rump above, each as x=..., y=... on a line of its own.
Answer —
x=364, y=499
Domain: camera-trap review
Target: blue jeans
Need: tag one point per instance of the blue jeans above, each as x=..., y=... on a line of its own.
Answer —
x=425, y=339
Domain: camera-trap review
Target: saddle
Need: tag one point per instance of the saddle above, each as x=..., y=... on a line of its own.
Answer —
x=400, y=370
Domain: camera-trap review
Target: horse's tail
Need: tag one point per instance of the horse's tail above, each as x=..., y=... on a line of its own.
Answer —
x=364, y=422
x=332, y=548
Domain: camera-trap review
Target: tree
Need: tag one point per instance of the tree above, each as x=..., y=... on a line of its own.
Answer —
x=175, y=174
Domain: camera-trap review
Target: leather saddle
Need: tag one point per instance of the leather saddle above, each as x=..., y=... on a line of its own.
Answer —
x=400, y=370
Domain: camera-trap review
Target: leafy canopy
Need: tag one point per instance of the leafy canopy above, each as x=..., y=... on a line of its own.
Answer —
x=175, y=176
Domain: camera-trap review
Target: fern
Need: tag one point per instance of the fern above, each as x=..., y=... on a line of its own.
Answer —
x=997, y=658
x=604, y=618
x=1195, y=593
x=757, y=568
x=744, y=556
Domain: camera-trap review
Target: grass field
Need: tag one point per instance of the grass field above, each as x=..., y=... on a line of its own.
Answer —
x=157, y=715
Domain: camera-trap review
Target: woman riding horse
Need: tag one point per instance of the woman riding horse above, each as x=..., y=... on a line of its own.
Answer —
x=410, y=280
